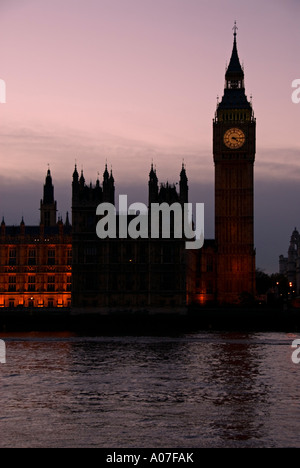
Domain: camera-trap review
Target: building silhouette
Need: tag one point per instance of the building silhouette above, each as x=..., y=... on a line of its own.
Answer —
x=226, y=266
x=55, y=264
x=290, y=266
x=126, y=275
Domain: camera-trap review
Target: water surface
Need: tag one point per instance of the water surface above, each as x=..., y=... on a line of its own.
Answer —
x=191, y=391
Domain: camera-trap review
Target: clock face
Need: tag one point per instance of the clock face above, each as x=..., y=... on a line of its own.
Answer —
x=234, y=138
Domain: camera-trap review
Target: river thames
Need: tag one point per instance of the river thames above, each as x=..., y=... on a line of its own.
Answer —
x=197, y=390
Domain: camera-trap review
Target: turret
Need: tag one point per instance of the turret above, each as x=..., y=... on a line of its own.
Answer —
x=48, y=205
x=75, y=183
x=108, y=187
x=153, y=186
x=183, y=185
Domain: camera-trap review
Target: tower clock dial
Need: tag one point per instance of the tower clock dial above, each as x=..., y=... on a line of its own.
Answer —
x=234, y=138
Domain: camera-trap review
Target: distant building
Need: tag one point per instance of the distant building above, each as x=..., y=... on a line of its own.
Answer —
x=290, y=266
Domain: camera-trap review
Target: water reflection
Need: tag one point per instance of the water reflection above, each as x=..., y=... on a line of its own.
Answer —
x=238, y=391
x=200, y=390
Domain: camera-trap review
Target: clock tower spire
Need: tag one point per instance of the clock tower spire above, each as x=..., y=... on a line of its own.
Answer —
x=234, y=153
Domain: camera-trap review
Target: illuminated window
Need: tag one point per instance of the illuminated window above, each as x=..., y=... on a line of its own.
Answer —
x=51, y=283
x=69, y=283
x=12, y=283
x=31, y=283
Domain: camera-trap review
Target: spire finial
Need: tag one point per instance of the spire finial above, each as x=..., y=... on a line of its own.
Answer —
x=235, y=28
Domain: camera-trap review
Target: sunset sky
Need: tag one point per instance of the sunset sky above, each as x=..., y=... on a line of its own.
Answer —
x=136, y=81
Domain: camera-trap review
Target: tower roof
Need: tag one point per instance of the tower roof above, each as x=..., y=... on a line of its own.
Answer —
x=234, y=68
x=152, y=174
x=75, y=173
x=48, y=189
x=234, y=93
x=105, y=173
x=183, y=172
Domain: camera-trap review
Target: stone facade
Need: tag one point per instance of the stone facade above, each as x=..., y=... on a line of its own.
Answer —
x=36, y=261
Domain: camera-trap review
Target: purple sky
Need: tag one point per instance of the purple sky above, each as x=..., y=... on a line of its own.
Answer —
x=131, y=81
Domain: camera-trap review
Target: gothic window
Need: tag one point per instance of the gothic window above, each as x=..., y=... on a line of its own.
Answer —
x=69, y=283
x=69, y=257
x=12, y=257
x=51, y=283
x=51, y=257
x=32, y=257
x=12, y=283
x=31, y=283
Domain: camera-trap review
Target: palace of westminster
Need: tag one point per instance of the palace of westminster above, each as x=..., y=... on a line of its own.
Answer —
x=63, y=264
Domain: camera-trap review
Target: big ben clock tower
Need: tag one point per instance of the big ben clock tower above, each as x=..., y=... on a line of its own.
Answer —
x=234, y=154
